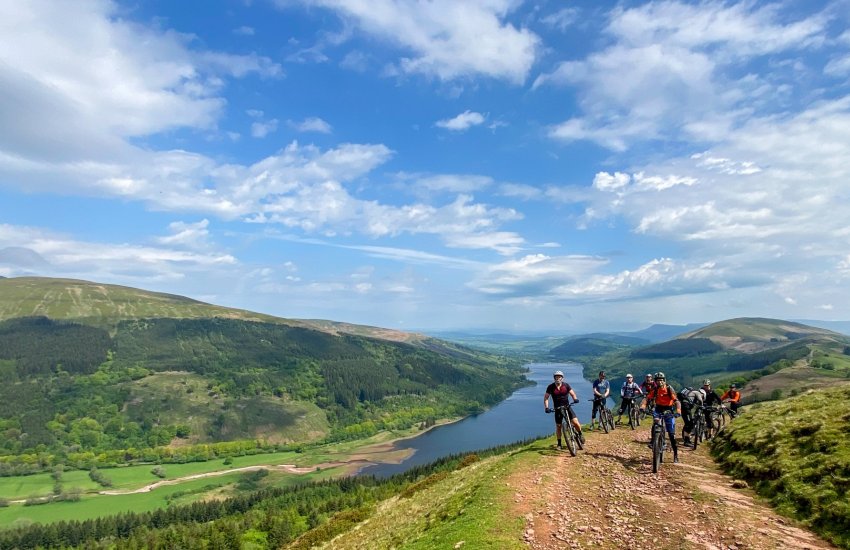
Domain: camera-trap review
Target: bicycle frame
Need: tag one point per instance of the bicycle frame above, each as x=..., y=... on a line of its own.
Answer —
x=659, y=438
x=568, y=431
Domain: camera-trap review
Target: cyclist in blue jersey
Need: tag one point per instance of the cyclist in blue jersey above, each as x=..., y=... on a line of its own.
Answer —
x=601, y=390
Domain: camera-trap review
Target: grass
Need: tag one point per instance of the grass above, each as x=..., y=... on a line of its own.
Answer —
x=796, y=452
x=470, y=505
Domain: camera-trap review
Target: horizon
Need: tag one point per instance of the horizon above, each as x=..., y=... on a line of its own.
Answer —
x=509, y=165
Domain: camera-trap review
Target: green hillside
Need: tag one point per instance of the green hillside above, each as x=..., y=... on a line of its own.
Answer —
x=736, y=350
x=796, y=453
x=112, y=386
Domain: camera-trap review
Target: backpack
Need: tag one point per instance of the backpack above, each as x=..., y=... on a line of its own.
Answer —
x=684, y=395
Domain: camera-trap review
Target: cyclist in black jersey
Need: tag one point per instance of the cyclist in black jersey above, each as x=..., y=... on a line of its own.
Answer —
x=561, y=392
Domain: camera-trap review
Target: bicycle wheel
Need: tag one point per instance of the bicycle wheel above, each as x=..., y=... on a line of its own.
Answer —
x=610, y=416
x=632, y=418
x=566, y=429
x=657, y=449
x=697, y=435
x=577, y=437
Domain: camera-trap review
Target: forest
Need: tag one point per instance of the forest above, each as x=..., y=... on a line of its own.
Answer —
x=78, y=396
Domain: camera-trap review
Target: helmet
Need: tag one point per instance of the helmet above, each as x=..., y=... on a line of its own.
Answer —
x=648, y=376
x=660, y=376
x=629, y=376
x=734, y=386
x=706, y=382
x=558, y=373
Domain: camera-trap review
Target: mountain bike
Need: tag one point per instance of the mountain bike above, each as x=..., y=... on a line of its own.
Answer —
x=659, y=438
x=715, y=420
x=643, y=413
x=568, y=431
x=634, y=412
x=606, y=417
x=698, y=433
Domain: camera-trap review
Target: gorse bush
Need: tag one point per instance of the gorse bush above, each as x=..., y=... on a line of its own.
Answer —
x=796, y=452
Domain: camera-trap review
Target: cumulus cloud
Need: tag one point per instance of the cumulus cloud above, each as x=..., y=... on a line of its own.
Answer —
x=64, y=256
x=444, y=38
x=682, y=63
x=74, y=83
x=312, y=124
x=462, y=122
x=264, y=128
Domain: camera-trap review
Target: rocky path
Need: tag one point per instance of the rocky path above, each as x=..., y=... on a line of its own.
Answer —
x=608, y=497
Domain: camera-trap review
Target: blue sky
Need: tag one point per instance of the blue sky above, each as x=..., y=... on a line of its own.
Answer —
x=489, y=164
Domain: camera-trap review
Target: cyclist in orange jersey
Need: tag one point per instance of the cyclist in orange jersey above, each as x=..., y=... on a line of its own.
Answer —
x=665, y=399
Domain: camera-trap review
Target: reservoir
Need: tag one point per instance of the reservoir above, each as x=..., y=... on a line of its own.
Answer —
x=518, y=417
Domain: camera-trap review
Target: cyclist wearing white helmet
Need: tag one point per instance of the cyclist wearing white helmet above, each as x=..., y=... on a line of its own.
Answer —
x=628, y=392
x=561, y=393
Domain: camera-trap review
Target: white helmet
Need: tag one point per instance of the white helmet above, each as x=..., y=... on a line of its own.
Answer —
x=558, y=373
x=629, y=376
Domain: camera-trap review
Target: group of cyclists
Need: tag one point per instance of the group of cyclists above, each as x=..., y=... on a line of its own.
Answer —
x=659, y=398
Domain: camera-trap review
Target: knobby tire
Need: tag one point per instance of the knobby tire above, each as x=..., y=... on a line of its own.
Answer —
x=657, y=451
x=567, y=430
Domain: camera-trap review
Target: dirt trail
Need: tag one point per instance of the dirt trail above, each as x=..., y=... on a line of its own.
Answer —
x=608, y=497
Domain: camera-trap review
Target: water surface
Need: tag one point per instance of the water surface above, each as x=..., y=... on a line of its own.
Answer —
x=518, y=417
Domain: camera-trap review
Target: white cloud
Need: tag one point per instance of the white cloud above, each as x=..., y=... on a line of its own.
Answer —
x=244, y=30
x=75, y=83
x=312, y=124
x=445, y=38
x=561, y=19
x=65, y=256
x=262, y=129
x=683, y=67
x=838, y=66
x=462, y=122
x=188, y=235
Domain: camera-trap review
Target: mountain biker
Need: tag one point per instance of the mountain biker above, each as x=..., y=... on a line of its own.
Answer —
x=691, y=400
x=647, y=384
x=561, y=393
x=665, y=400
x=628, y=393
x=601, y=390
x=711, y=399
x=733, y=397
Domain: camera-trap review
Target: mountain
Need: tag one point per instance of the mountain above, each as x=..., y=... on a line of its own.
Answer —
x=736, y=350
x=93, y=368
x=660, y=333
x=594, y=344
x=752, y=334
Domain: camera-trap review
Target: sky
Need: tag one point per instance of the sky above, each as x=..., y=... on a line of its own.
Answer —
x=505, y=165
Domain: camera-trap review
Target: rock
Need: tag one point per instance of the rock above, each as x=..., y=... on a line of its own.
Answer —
x=460, y=543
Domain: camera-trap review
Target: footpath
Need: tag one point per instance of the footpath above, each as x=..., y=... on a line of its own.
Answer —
x=608, y=497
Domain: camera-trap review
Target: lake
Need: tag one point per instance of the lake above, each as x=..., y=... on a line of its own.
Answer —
x=518, y=417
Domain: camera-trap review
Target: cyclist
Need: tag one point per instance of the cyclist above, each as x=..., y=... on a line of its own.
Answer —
x=691, y=400
x=711, y=399
x=733, y=397
x=561, y=393
x=601, y=389
x=647, y=384
x=665, y=400
x=628, y=393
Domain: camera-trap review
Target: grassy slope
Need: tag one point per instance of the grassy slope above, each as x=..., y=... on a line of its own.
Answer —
x=796, y=452
x=470, y=505
x=105, y=305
